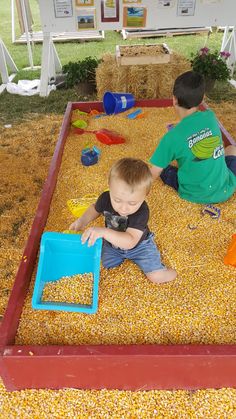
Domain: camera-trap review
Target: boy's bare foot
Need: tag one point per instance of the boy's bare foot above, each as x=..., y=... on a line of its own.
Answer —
x=164, y=275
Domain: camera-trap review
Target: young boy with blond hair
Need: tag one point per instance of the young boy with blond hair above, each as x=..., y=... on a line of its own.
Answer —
x=206, y=170
x=126, y=234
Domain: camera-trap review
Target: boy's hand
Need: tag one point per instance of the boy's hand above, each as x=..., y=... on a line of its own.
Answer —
x=76, y=225
x=92, y=234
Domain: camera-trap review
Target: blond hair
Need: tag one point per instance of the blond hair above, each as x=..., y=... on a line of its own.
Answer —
x=134, y=172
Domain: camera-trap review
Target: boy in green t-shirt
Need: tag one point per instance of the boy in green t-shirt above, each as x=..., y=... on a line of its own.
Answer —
x=206, y=171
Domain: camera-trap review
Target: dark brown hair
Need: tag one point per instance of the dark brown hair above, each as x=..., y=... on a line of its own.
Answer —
x=189, y=89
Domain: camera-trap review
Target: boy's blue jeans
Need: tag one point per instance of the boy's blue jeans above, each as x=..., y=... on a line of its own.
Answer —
x=145, y=255
x=170, y=178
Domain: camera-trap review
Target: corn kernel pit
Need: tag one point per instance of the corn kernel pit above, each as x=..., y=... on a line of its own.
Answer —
x=191, y=309
x=103, y=404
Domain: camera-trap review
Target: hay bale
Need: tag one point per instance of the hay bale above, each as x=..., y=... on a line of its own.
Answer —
x=143, y=81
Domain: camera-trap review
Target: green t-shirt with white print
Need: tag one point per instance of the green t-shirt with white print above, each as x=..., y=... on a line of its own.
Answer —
x=196, y=143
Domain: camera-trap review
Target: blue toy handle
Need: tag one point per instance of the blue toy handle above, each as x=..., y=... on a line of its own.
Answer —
x=133, y=115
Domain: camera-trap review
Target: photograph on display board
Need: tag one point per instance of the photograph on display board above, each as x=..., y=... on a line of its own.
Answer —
x=86, y=19
x=162, y=4
x=110, y=11
x=63, y=9
x=80, y=3
x=134, y=17
x=186, y=7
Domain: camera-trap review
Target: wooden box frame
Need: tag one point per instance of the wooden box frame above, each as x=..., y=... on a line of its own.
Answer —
x=142, y=59
x=124, y=367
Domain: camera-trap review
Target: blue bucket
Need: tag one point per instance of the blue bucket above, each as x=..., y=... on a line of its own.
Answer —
x=64, y=255
x=117, y=102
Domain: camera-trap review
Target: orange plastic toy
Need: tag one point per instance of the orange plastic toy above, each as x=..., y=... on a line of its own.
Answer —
x=230, y=257
x=141, y=115
x=94, y=112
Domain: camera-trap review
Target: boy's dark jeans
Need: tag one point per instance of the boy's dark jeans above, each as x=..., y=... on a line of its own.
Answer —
x=170, y=178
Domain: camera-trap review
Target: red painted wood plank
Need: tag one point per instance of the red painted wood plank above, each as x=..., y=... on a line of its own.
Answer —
x=124, y=368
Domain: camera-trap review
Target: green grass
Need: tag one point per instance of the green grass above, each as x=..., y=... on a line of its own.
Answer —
x=223, y=92
x=14, y=108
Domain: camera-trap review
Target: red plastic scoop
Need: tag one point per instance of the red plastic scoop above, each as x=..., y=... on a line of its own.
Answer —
x=104, y=135
x=108, y=137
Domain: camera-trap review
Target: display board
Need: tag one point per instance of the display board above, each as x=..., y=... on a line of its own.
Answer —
x=74, y=15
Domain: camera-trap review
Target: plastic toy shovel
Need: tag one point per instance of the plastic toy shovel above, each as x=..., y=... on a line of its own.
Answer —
x=104, y=135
